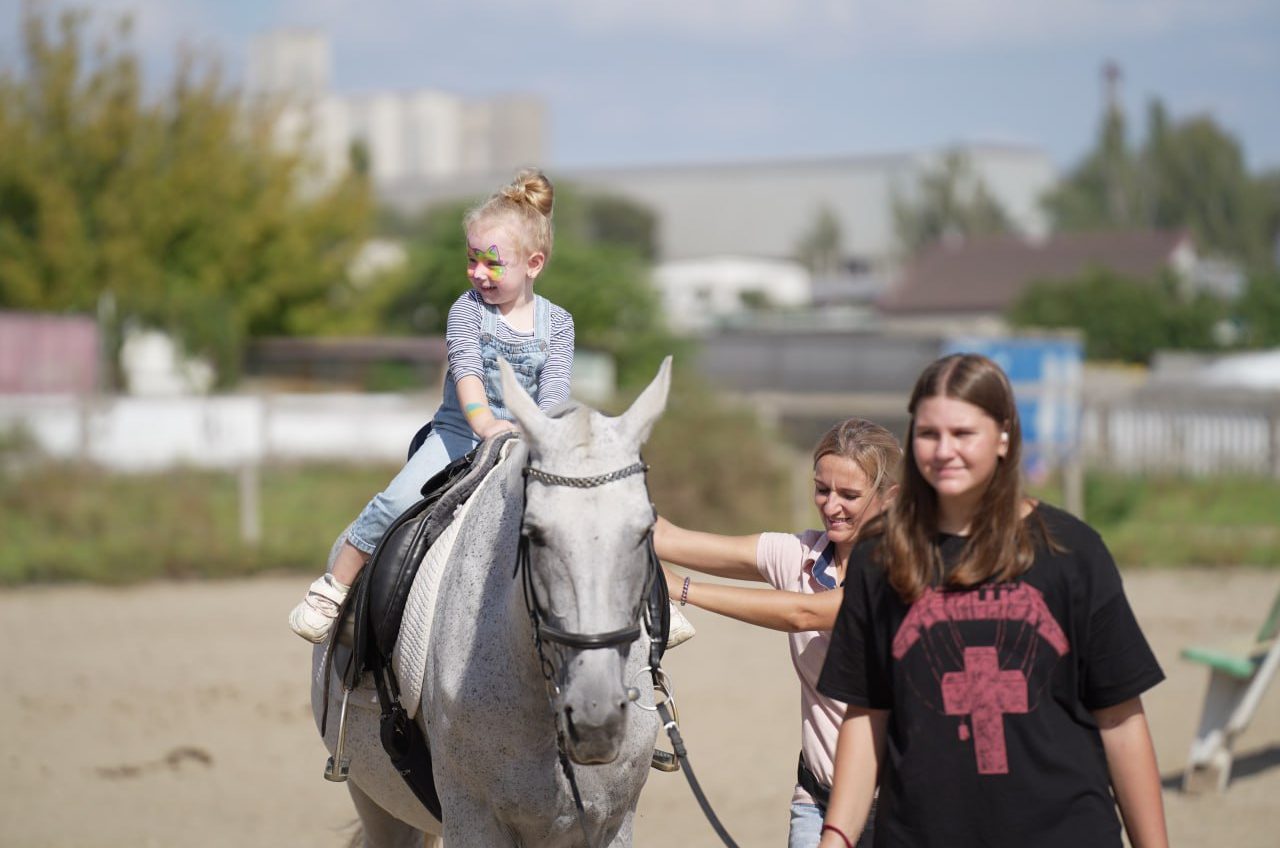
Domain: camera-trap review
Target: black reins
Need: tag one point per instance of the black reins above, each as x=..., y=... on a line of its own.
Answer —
x=543, y=632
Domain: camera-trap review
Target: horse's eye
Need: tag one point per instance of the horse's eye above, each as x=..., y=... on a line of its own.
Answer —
x=534, y=535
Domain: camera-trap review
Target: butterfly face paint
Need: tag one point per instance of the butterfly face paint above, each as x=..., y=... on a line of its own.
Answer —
x=497, y=269
x=489, y=257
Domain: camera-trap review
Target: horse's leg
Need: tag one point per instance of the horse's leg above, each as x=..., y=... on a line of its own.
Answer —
x=380, y=829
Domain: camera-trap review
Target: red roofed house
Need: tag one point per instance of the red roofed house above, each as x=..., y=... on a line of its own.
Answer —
x=974, y=282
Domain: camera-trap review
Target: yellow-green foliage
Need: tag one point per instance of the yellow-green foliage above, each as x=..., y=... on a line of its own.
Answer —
x=180, y=206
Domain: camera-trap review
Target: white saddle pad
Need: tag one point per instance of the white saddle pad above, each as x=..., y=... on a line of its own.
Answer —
x=409, y=659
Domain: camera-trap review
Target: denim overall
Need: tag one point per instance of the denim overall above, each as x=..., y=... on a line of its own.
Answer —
x=451, y=436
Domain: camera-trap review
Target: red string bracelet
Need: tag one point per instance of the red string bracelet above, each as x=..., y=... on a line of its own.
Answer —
x=838, y=832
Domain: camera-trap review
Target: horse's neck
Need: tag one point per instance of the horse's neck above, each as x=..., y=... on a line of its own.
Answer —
x=482, y=601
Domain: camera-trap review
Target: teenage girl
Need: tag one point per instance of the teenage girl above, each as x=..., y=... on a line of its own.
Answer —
x=991, y=663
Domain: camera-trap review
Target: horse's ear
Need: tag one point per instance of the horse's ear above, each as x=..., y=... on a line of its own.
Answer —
x=516, y=399
x=646, y=410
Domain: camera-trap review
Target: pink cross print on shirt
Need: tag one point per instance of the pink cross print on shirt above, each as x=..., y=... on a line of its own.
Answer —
x=986, y=694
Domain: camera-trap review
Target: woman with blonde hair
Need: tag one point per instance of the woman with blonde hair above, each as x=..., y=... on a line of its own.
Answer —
x=854, y=474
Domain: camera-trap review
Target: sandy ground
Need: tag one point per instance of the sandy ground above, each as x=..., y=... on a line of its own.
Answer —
x=177, y=714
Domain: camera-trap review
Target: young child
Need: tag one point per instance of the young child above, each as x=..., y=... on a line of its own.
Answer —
x=855, y=468
x=991, y=663
x=508, y=245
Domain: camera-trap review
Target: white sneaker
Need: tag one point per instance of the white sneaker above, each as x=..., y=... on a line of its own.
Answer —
x=679, y=630
x=313, y=617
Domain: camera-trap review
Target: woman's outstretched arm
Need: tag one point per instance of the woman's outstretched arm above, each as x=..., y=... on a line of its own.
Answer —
x=790, y=612
x=710, y=553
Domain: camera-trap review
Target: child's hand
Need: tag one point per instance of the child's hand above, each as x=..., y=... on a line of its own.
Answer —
x=493, y=427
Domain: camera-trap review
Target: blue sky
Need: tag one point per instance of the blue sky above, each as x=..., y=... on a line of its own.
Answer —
x=669, y=81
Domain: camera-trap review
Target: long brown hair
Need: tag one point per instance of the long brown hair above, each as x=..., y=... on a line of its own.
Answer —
x=1000, y=546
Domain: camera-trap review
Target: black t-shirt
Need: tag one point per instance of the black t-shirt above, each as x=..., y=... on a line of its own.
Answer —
x=991, y=741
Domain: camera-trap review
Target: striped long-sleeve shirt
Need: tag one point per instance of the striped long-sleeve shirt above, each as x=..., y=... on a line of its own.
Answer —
x=462, y=339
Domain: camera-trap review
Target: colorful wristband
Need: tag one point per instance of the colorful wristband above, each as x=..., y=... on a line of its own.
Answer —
x=472, y=410
x=684, y=593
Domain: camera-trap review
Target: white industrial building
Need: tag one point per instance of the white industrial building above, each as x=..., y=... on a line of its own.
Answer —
x=766, y=208
x=720, y=227
x=727, y=233
x=699, y=293
x=416, y=134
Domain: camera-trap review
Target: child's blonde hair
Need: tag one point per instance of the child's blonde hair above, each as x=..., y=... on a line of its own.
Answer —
x=525, y=204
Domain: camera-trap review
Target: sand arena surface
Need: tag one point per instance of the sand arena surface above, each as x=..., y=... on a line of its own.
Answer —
x=177, y=714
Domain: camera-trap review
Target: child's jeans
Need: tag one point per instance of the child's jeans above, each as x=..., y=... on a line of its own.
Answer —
x=442, y=446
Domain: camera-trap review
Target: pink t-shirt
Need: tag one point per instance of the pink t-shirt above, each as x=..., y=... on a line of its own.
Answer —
x=787, y=562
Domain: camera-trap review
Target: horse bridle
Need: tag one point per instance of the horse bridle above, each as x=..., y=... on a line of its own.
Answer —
x=613, y=638
x=545, y=632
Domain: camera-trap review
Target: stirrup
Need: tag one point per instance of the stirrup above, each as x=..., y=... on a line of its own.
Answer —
x=339, y=765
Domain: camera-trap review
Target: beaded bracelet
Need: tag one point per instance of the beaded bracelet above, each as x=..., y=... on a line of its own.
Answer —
x=684, y=593
x=838, y=832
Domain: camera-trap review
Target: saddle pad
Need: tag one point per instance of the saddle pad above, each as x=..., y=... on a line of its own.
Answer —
x=409, y=659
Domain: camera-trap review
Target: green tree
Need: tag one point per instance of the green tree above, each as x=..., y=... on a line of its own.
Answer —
x=1194, y=176
x=1186, y=175
x=1102, y=192
x=180, y=207
x=599, y=273
x=819, y=249
x=1122, y=318
x=950, y=201
x=1257, y=312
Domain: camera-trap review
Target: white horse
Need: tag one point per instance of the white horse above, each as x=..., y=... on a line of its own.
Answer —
x=489, y=711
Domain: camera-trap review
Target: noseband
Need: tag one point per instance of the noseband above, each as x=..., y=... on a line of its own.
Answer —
x=545, y=632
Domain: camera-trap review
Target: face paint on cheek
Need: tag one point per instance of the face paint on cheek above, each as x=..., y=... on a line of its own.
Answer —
x=490, y=258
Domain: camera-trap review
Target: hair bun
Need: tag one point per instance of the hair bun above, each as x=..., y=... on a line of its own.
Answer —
x=531, y=187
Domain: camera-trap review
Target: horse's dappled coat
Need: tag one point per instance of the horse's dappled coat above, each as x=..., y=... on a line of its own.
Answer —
x=484, y=700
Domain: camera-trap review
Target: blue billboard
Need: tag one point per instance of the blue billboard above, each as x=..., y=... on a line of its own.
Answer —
x=1046, y=373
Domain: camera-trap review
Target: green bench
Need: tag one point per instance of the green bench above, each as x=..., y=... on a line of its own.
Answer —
x=1238, y=677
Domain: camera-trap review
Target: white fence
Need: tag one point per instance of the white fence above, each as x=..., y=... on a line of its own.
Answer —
x=1208, y=438
x=228, y=431
x=1197, y=436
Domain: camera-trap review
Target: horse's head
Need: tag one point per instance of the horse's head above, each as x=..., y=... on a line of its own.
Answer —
x=587, y=521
